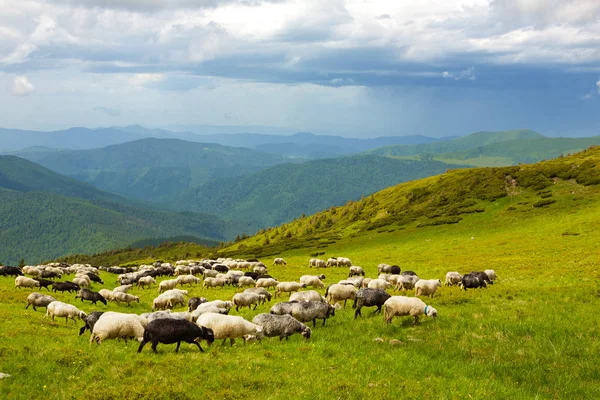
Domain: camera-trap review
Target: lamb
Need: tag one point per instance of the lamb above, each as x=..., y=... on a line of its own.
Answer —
x=261, y=291
x=310, y=295
x=266, y=282
x=125, y=298
x=214, y=282
x=379, y=284
x=122, y=288
x=38, y=300
x=337, y=292
x=305, y=311
x=60, y=309
x=400, y=306
x=65, y=287
x=246, y=281
x=356, y=271
x=427, y=287
x=282, y=308
x=194, y=302
x=82, y=282
x=85, y=294
x=90, y=320
x=288, y=287
x=229, y=327
x=406, y=282
x=247, y=299
x=146, y=281
x=472, y=281
x=107, y=294
x=184, y=279
x=281, y=325
x=22, y=281
x=369, y=298
x=311, y=280
x=491, y=274
x=170, y=331
x=44, y=283
x=167, y=285
x=279, y=261
x=114, y=325
x=453, y=279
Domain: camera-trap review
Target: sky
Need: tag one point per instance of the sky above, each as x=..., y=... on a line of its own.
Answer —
x=357, y=68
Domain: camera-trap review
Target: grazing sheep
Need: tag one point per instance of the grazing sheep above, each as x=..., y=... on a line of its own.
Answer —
x=261, y=291
x=22, y=281
x=246, y=281
x=400, y=306
x=317, y=263
x=107, y=294
x=85, y=294
x=406, y=282
x=194, y=302
x=90, y=320
x=344, y=262
x=214, y=282
x=82, y=282
x=337, y=292
x=310, y=295
x=369, y=298
x=94, y=278
x=427, y=287
x=356, y=271
x=472, y=281
x=205, y=309
x=311, y=280
x=266, y=283
x=393, y=279
x=60, y=309
x=395, y=270
x=305, y=311
x=332, y=262
x=247, y=299
x=187, y=279
x=413, y=273
x=365, y=283
x=170, y=331
x=281, y=325
x=146, y=281
x=114, y=325
x=38, y=300
x=210, y=273
x=229, y=327
x=279, y=261
x=282, y=308
x=384, y=268
x=482, y=277
x=288, y=287
x=44, y=283
x=491, y=274
x=65, y=287
x=10, y=271
x=125, y=298
x=355, y=281
x=379, y=284
x=259, y=269
x=122, y=288
x=167, y=285
x=453, y=279
x=49, y=274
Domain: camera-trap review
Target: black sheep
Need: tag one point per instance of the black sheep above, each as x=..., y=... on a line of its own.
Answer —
x=253, y=260
x=413, y=273
x=472, y=281
x=65, y=287
x=50, y=274
x=263, y=277
x=169, y=330
x=85, y=294
x=90, y=320
x=95, y=278
x=7, y=271
x=482, y=277
x=194, y=302
x=221, y=268
x=44, y=283
x=395, y=270
x=369, y=298
x=253, y=275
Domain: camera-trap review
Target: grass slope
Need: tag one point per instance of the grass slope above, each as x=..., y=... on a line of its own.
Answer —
x=284, y=192
x=531, y=335
x=462, y=143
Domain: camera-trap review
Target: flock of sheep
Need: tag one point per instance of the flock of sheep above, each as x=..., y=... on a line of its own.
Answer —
x=210, y=320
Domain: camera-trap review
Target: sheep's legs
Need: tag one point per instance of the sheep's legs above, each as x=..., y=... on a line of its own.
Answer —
x=177, y=349
x=416, y=320
x=198, y=344
x=142, y=344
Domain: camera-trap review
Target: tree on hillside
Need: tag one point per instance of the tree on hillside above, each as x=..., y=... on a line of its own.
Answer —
x=21, y=263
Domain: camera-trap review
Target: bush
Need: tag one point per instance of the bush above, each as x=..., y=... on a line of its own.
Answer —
x=543, y=203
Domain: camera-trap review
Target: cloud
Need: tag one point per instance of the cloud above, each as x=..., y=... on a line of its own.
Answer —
x=468, y=74
x=22, y=87
x=383, y=16
x=158, y=5
x=113, y=112
x=598, y=86
x=145, y=79
x=19, y=55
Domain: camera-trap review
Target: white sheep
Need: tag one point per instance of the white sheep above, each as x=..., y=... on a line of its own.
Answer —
x=166, y=285
x=214, y=282
x=365, y=282
x=122, y=288
x=316, y=262
x=146, y=281
x=384, y=268
x=337, y=292
x=453, y=279
x=288, y=287
x=22, y=281
x=400, y=306
x=259, y=269
x=247, y=299
x=114, y=325
x=262, y=291
x=356, y=271
x=344, y=262
x=406, y=282
x=491, y=274
x=38, y=300
x=60, y=309
x=125, y=298
x=427, y=287
x=246, y=281
x=279, y=261
x=82, y=283
x=187, y=279
x=379, y=284
x=266, y=283
x=229, y=327
x=311, y=280
x=107, y=294
x=332, y=262
x=309, y=295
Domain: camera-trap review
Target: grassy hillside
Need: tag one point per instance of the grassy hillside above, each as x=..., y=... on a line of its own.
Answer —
x=153, y=169
x=462, y=143
x=45, y=215
x=282, y=193
x=530, y=335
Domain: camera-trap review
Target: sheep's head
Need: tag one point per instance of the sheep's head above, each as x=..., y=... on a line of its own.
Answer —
x=82, y=315
x=431, y=312
x=306, y=332
x=322, y=276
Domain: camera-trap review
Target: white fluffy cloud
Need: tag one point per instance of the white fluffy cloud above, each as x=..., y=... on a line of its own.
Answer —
x=468, y=74
x=22, y=87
